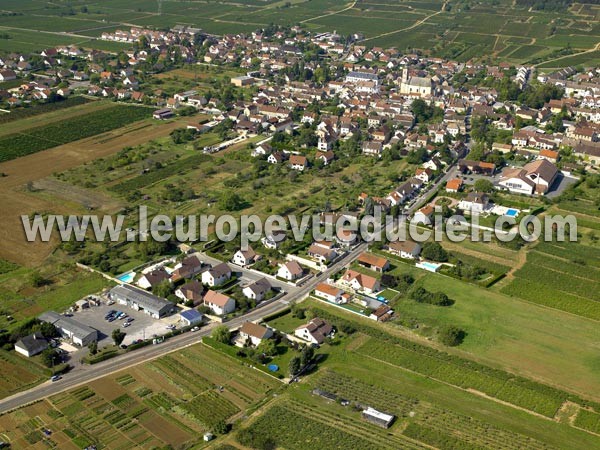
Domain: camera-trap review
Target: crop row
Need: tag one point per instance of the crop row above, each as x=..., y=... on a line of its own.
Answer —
x=548, y=296
x=210, y=408
x=22, y=113
x=588, y=420
x=437, y=438
x=561, y=282
x=156, y=175
x=354, y=390
x=282, y=428
x=569, y=250
x=571, y=268
x=497, y=385
x=429, y=361
x=81, y=127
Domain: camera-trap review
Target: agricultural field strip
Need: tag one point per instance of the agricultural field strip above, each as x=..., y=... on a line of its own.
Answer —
x=352, y=389
x=464, y=373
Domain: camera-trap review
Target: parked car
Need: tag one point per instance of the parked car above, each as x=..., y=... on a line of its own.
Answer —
x=170, y=327
x=129, y=319
x=195, y=329
x=55, y=378
x=123, y=346
x=126, y=324
x=110, y=302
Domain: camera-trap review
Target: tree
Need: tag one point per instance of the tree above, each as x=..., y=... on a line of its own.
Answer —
x=308, y=353
x=267, y=347
x=295, y=365
x=434, y=252
x=50, y=357
x=93, y=347
x=483, y=185
x=231, y=201
x=221, y=427
x=450, y=335
x=163, y=289
x=37, y=280
x=221, y=334
x=118, y=336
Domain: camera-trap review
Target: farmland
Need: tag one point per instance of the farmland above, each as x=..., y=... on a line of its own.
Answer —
x=144, y=407
x=481, y=30
x=432, y=407
x=91, y=124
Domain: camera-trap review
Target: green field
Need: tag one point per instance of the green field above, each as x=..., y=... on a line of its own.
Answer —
x=48, y=136
x=431, y=406
x=458, y=32
x=171, y=401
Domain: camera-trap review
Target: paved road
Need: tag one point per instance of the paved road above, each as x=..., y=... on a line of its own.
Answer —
x=85, y=374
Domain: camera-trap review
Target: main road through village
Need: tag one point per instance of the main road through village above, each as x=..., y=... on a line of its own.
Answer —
x=83, y=374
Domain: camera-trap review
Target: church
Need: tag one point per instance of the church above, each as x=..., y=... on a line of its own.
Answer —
x=421, y=86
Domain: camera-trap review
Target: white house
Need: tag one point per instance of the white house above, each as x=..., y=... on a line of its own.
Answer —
x=255, y=333
x=405, y=249
x=219, y=303
x=217, y=275
x=314, y=331
x=475, y=203
x=360, y=282
x=257, y=290
x=31, y=345
x=153, y=278
x=244, y=257
x=329, y=293
x=290, y=271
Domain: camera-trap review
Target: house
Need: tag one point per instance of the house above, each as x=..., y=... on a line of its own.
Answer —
x=257, y=290
x=31, y=345
x=405, y=249
x=153, y=278
x=326, y=157
x=424, y=215
x=329, y=293
x=219, y=303
x=298, y=162
x=187, y=268
x=321, y=253
x=7, y=75
x=550, y=155
x=190, y=317
x=163, y=114
x=255, y=333
x=79, y=333
x=276, y=158
x=382, y=314
x=315, y=331
x=454, y=185
x=475, y=202
x=217, y=275
x=425, y=175
x=372, y=148
x=290, y=271
x=360, y=282
x=244, y=257
x=533, y=178
x=274, y=240
x=373, y=262
x=140, y=300
x=191, y=292
x=263, y=149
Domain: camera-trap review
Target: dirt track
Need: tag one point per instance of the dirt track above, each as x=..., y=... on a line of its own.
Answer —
x=16, y=200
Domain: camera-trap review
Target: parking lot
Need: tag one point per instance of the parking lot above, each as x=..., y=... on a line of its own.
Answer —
x=142, y=327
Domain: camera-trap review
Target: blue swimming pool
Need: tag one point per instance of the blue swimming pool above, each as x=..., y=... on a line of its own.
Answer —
x=126, y=277
x=429, y=266
x=511, y=212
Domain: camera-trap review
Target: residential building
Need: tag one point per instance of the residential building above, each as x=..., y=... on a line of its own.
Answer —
x=215, y=276
x=315, y=331
x=220, y=304
x=290, y=271
x=257, y=290
x=405, y=249
x=31, y=345
x=373, y=262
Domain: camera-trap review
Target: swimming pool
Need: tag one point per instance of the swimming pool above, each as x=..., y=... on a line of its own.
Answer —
x=429, y=266
x=126, y=277
x=511, y=212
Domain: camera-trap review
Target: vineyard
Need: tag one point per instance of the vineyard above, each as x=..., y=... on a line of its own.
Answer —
x=588, y=420
x=210, y=408
x=456, y=371
x=493, y=383
x=43, y=108
x=562, y=276
x=55, y=134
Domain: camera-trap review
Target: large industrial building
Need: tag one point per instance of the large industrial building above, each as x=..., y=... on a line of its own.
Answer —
x=79, y=333
x=141, y=300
